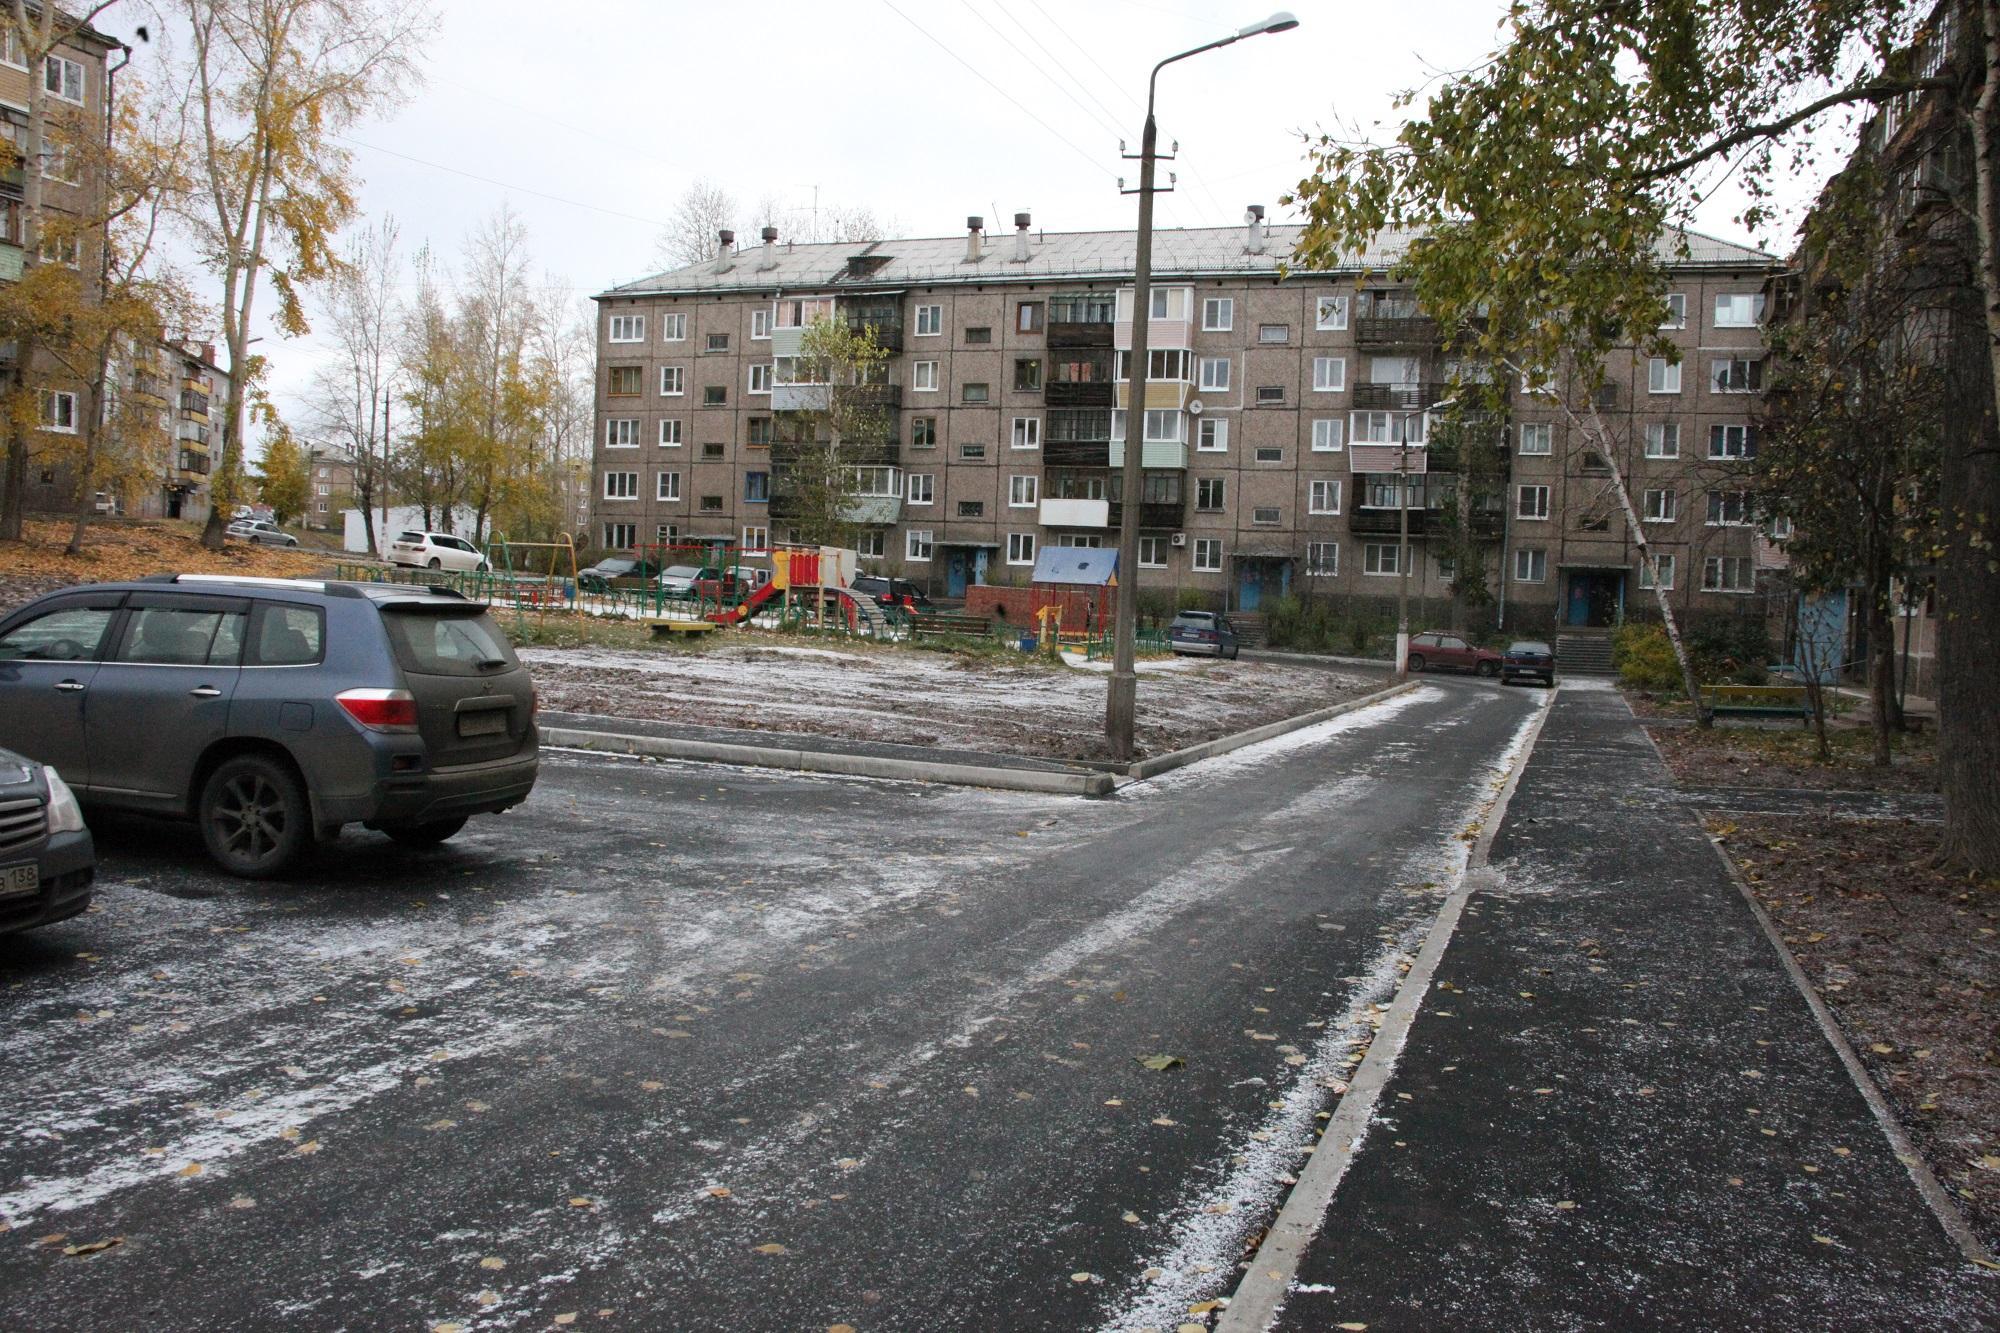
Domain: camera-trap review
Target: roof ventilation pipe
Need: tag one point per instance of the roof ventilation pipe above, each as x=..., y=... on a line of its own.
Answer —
x=1253, y=230
x=725, y=250
x=770, y=259
x=1021, y=238
x=974, y=227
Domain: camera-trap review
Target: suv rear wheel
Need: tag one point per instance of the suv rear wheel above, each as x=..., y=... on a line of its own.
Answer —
x=254, y=816
x=425, y=835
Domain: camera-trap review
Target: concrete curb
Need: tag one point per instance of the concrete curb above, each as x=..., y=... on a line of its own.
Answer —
x=845, y=765
x=1167, y=763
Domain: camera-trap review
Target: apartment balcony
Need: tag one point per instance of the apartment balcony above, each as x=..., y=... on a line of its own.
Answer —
x=873, y=510
x=10, y=263
x=1067, y=333
x=799, y=397
x=886, y=325
x=879, y=452
x=1152, y=513
x=787, y=341
x=1377, y=331
x=1155, y=454
x=1063, y=393
x=1388, y=522
x=1400, y=397
x=1368, y=457
x=1161, y=395
x=1076, y=513
x=882, y=397
x=1076, y=453
x=1160, y=334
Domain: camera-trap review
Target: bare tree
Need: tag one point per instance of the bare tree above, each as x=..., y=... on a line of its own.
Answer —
x=348, y=400
x=705, y=208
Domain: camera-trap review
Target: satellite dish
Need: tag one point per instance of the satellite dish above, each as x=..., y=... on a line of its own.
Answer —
x=1194, y=408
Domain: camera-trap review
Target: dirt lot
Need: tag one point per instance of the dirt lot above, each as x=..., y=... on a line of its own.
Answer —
x=1003, y=703
x=1909, y=961
x=1747, y=755
x=130, y=550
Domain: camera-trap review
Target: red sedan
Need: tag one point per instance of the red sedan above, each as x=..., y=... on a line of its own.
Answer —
x=1453, y=652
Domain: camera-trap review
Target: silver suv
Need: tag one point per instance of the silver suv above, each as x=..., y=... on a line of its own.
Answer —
x=273, y=711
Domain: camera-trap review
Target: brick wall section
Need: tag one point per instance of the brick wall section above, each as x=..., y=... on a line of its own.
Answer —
x=1016, y=606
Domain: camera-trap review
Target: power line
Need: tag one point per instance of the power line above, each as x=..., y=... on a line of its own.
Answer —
x=1110, y=125
x=505, y=185
x=621, y=145
x=1111, y=116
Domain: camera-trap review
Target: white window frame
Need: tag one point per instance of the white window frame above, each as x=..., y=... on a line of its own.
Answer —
x=57, y=411
x=1214, y=374
x=756, y=540
x=1330, y=313
x=1721, y=370
x=1318, y=561
x=1677, y=311
x=1206, y=557
x=1543, y=433
x=1217, y=488
x=1729, y=301
x=634, y=326
x=1531, y=564
x=613, y=492
x=671, y=436
x=1380, y=560
x=1159, y=303
x=1662, y=376
x=922, y=488
x=1713, y=567
x=612, y=531
x=932, y=315
x=1323, y=497
x=761, y=375
x=1329, y=435
x=674, y=326
x=666, y=487
x=62, y=67
x=1152, y=552
x=1658, y=434
x=621, y=433
x=1720, y=451
x=1719, y=506
x=760, y=326
x=917, y=545
x=1531, y=503
x=1212, y=436
x=1023, y=490
x=1666, y=584
x=1661, y=505
x=1027, y=433
x=1218, y=315
x=677, y=377
x=923, y=377
x=1329, y=374
x=1020, y=548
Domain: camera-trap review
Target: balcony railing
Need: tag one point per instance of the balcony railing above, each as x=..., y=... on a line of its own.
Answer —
x=1396, y=331
x=885, y=452
x=1389, y=521
x=1061, y=513
x=887, y=327
x=1064, y=333
x=1064, y=393
x=1399, y=397
x=1076, y=453
x=1152, y=513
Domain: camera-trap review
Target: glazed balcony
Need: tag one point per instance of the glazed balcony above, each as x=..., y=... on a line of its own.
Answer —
x=1400, y=397
x=1089, y=393
x=1152, y=513
x=1076, y=453
x=1067, y=333
x=1388, y=522
x=1389, y=331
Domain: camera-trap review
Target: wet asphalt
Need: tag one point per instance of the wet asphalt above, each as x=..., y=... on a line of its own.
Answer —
x=675, y=1046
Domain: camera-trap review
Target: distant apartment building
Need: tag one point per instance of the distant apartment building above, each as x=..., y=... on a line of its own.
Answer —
x=1281, y=409
x=182, y=395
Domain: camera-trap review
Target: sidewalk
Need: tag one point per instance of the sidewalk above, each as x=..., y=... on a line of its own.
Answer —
x=1616, y=1110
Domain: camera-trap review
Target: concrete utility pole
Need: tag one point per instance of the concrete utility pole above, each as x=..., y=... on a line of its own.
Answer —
x=1121, y=698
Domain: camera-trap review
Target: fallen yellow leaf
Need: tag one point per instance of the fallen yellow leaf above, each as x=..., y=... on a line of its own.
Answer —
x=772, y=1248
x=493, y=1262
x=191, y=1169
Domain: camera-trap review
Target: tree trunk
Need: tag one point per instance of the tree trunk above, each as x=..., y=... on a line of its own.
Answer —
x=86, y=470
x=14, y=486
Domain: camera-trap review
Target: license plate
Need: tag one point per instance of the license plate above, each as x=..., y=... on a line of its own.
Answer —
x=485, y=722
x=18, y=880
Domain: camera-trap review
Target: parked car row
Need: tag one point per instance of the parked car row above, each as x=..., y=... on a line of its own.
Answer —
x=1524, y=659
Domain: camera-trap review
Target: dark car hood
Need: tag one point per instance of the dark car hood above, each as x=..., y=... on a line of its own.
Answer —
x=18, y=776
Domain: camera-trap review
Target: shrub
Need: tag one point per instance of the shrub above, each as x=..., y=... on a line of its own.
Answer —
x=1644, y=657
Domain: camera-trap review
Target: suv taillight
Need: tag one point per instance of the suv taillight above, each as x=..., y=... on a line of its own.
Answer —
x=380, y=710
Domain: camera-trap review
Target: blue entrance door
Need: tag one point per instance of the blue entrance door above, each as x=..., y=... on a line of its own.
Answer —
x=1249, y=584
x=955, y=573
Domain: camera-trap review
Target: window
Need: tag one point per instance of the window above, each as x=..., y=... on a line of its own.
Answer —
x=923, y=376
x=1537, y=438
x=1212, y=436
x=621, y=536
x=1666, y=580
x=1161, y=364
x=1027, y=432
x=923, y=432
x=1325, y=497
x=1736, y=374
x=930, y=321
x=286, y=635
x=869, y=545
x=621, y=485
x=1028, y=375
x=10, y=50
x=1207, y=555
x=714, y=395
x=1378, y=558
x=670, y=433
x=1780, y=528
x=666, y=534
x=756, y=541
x=673, y=328
x=761, y=432
x=711, y=504
x=756, y=488
x=1022, y=492
x=673, y=381
x=59, y=411
x=1329, y=434
x=760, y=378
x=1531, y=502
x=1265, y=515
x=1739, y=310
x=1274, y=333
x=182, y=636
x=881, y=481
x=1447, y=568
x=923, y=488
x=628, y=328
x=63, y=78
x=1729, y=509
x=1162, y=425
x=1209, y=493
x=1028, y=317
x=1662, y=375
x=712, y=451
x=972, y=450
x=978, y=334
x=1215, y=374
x=1727, y=573
x=718, y=342
x=1158, y=303
x=1152, y=552
x=1663, y=439
x=1270, y=453
x=1330, y=312
x=1732, y=442
x=1660, y=506
x=917, y=544
x=1020, y=548
x=975, y=393
x=621, y=433
x=1323, y=558
x=625, y=381
x=1329, y=374
x=971, y=508
x=760, y=326
x=1677, y=311
x=1531, y=565
x=1218, y=314
x=667, y=486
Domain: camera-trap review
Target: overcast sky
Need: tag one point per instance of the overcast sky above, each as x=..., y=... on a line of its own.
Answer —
x=590, y=118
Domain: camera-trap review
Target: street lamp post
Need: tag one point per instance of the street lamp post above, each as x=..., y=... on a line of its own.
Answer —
x=1121, y=699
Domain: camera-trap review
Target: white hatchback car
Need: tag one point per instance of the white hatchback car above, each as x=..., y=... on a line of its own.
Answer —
x=436, y=550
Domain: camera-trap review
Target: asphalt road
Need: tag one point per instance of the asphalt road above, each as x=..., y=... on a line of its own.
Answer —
x=685, y=1047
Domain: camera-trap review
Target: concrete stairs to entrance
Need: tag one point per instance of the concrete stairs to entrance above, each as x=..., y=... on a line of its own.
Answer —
x=1253, y=628
x=1584, y=653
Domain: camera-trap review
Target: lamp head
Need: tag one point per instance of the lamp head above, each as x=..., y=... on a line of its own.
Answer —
x=1282, y=21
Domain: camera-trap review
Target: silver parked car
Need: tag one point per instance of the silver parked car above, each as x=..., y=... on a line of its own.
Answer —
x=260, y=532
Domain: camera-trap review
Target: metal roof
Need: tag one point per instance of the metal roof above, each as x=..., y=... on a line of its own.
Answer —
x=1101, y=256
x=1087, y=565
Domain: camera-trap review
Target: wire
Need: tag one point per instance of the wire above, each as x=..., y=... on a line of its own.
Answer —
x=1108, y=124
x=1111, y=117
x=505, y=185
x=623, y=146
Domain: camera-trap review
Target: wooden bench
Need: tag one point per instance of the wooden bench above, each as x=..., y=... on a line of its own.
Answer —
x=1758, y=701
x=664, y=625
x=948, y=622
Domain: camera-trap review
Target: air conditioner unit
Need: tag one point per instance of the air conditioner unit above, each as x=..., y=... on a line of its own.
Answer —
x=1180, y=539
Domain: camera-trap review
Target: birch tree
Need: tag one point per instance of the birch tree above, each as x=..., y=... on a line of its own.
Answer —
x=350, y=396
x=692, y=234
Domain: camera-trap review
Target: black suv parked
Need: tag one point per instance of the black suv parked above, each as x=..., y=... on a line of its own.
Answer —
x=272, y=710
x=891, y=594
